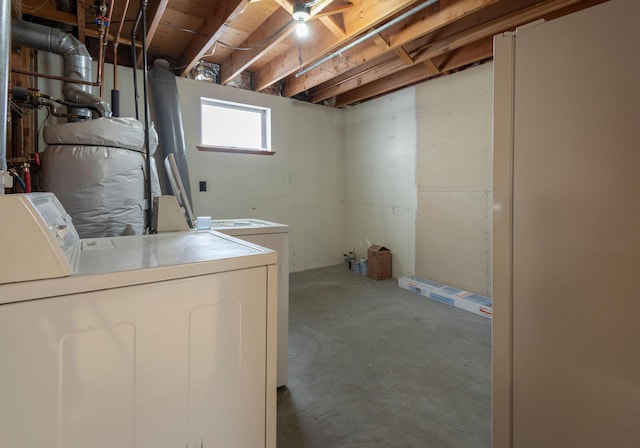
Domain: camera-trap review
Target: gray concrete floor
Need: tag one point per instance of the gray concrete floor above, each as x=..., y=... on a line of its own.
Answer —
x=374, y=365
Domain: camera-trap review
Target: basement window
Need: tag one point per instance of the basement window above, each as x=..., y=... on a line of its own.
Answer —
x=235, y=127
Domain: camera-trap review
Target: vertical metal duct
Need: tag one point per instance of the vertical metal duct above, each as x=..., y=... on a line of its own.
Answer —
x=5, y=37
x=166, y=105
x=77, y=61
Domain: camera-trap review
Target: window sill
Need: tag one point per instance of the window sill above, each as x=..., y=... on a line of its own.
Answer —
x=235, y=150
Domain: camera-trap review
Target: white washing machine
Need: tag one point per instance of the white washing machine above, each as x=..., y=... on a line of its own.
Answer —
x=273, y=236
x=138, y=341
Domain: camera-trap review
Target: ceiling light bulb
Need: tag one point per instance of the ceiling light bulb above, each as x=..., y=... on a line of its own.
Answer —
x=302, y=29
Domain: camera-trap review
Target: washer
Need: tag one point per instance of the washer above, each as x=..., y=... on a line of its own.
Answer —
x=137, y=341
x=274, y=236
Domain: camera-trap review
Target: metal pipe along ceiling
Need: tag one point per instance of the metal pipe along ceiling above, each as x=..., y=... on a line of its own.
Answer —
x=77, y=61
x=370, y=34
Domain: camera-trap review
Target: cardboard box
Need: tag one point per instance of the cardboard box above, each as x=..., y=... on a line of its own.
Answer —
x=378, y=262
x=475, y=303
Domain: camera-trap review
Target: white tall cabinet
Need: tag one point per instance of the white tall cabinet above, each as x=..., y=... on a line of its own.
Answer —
x=566, y=363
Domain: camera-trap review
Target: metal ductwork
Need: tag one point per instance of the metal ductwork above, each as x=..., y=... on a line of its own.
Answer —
x=77, y=61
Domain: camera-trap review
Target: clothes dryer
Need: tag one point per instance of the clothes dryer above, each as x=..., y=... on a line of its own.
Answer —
x=137, y=341
x=274, y=236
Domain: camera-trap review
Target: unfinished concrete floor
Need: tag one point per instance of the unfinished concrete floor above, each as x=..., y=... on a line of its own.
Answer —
x=373, y=365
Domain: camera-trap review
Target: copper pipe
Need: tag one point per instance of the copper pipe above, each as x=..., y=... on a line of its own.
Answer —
x=59, y=78
x=104, y=41
x=101, y=60
x=115, y=46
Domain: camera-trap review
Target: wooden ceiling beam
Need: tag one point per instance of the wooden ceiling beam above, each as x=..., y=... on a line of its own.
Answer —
x=153, y=26
x=328, y=89
x=404, y=56
x=459, y=40
x=316, y=10
x=319, y=8
x=284, y=4
x=358, y=19
x=378, y=72
x=381, y=42
x=280, y=25
x=48, y=11
x=111, y=38
x=478, y=51
x=212, y=28
x=80, y=19
x=431, y=65
x=489, y=29
x=334, y=8
x=335, y=25
x=411, y=75
x=433, y=20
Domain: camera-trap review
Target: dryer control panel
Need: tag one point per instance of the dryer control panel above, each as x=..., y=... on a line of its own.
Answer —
x=37, y=238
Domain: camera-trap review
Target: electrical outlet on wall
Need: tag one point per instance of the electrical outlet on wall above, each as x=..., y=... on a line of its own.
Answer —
x=203, y=185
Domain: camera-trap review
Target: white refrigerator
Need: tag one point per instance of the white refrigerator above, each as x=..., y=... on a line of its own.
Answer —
x=566, y=249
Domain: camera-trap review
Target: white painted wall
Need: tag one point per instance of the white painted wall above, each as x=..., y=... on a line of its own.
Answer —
x=302, y=185
x=453, y=228
x=380, y=187
x=348, y=178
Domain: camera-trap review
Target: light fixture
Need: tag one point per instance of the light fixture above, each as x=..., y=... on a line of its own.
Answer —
x=302, y=29
x=300, y=16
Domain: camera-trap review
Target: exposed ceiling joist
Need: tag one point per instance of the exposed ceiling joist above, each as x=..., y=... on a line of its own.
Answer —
x=214, y=25
x=404, y=56
x=367, y=15
x=356, y=49
x=432, y=66
x=273, y=31
x=335, y=24
x=442, y=46
x=48, y=11
x=432, y=20
x=80, y=20
x=479, y=51
x=381, y=42
x=332, y=8
x=153, y=26
x=284, y=4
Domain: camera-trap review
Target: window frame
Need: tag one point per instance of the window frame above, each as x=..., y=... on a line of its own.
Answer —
x=265, y=127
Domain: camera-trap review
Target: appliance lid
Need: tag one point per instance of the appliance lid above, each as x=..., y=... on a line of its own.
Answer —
x=126, y=253
x=247, y=226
